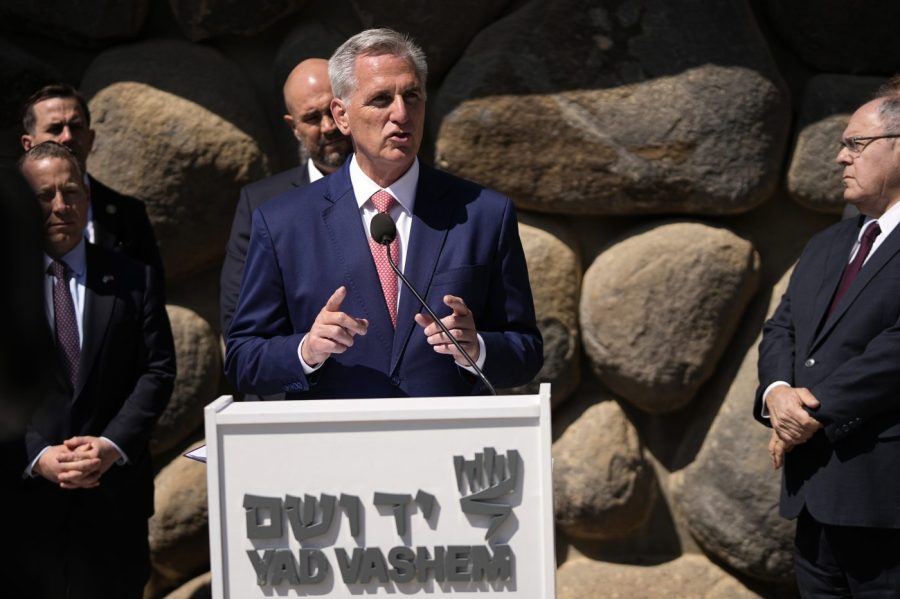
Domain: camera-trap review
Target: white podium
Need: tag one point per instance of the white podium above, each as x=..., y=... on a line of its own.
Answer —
x=411, y=496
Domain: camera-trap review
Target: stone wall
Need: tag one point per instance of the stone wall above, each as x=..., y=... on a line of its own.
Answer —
x=669, y=159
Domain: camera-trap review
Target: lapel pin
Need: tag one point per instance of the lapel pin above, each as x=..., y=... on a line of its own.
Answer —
x=108, y=279
x=110, y=209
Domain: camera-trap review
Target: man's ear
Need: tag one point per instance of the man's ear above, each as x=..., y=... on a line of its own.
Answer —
x=93, y=134
x=289, y=121
x=339, y=113
x=27, y=142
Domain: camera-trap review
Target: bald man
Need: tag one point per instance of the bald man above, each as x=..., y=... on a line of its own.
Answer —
x=307, y=99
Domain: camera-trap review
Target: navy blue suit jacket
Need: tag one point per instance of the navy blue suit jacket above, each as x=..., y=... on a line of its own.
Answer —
x=253, y=196
x=126, y=376
x=846, y=474
x=308, y=242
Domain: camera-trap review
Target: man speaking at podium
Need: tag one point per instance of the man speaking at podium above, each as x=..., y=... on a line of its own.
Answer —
x=322, y=315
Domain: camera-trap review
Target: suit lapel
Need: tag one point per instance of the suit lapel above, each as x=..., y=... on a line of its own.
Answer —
x=99, y=302
x=884, y=254
x=349, y=242
x=430, y=225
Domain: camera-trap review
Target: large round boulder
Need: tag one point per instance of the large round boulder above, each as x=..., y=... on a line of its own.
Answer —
x=554, y=269
x=705, y=141
x=833, y=36
x=82, y=23
x=727, y=494
x=603, y=486
x=199, y=369
x=179, y=529
x=178, y=127
x=688, y=576
x=202, y=19
x=532, y=108
x=659, y=307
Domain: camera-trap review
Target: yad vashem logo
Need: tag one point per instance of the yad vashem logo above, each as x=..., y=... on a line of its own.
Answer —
x=487, y=484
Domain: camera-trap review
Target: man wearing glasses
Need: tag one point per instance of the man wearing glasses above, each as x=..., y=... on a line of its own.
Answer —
x=829, y=375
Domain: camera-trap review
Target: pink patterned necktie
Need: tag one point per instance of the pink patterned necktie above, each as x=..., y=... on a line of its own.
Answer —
x=852, y=269
x=383, y=202
x=67, y=341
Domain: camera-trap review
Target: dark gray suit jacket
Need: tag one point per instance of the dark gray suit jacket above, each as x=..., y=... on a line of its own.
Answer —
x=846, y=474
x=253, y=196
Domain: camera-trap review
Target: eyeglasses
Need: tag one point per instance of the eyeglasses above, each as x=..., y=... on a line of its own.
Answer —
x=855, y=145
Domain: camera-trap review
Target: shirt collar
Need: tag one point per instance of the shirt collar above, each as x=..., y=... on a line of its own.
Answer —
x=314, y=173
x=887, y=221
x=75, y=259
x=403, y=189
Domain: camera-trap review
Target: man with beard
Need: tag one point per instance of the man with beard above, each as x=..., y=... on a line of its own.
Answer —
x=323, y=316
x=307, y=99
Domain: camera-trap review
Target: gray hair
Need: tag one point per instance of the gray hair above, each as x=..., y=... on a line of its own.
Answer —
x=372, y=42
x=51, y=149
x=889, y=114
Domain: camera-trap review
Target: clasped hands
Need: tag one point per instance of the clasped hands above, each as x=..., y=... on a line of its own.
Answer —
x=791, y=423
x=78, y=463
x=333, y=331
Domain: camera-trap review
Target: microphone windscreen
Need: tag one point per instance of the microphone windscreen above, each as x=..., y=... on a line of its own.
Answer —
x=382, y=229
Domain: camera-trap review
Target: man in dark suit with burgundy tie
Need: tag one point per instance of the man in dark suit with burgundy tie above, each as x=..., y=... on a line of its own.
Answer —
x=829, y=375
x=116, y=222
x=86, y=485
x=320, y=313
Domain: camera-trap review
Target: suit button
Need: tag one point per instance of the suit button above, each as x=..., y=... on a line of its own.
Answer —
x=810, y=363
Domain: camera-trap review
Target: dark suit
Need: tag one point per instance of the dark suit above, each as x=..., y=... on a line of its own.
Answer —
x=306, y=243
x=846, y=474
x=97, y=538
x=253, y=196
x=121, y=225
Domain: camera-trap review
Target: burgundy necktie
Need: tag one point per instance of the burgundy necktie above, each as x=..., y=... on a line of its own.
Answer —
x=383, y=202
x=67, y=340
x=852, y=269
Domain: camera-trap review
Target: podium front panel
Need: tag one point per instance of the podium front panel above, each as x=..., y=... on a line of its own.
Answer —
x=414, y=496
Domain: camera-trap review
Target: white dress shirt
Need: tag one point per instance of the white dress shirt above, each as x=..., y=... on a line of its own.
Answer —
x=314, y=173
x=404, y=191
x=888, y=222
x=76, y=260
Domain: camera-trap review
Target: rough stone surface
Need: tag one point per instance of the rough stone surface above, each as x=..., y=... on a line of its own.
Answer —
x=199, y=368
x=603, y=487
x=814, y=178
x=554, y=269
x=179, y=128
x=706, y=141
x=202, y=19
x=196, y=588
x=179, y=531
x=567, y=58
x=728, y=495
x=77, y=22
x=658, y=309
x=818, y=30
x=443, y=29
x=688, y=576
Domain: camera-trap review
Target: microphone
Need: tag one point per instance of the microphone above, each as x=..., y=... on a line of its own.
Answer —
x=384, y=231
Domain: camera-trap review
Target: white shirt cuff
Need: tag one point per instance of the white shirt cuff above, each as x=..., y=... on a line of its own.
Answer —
x=482, y=352
x=123, y=459
x=764, y=412
x=307, y=369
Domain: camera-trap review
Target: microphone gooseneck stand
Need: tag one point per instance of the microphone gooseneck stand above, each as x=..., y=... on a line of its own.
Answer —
x=383, y=231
